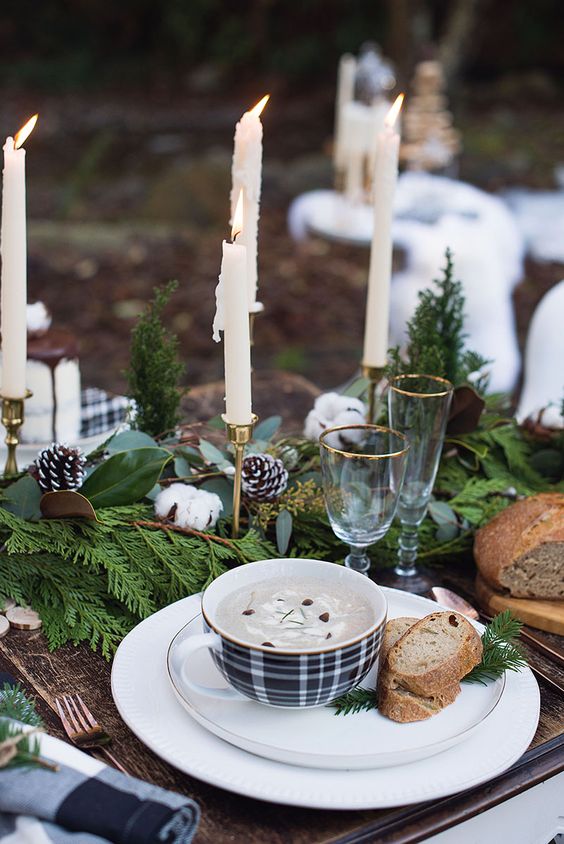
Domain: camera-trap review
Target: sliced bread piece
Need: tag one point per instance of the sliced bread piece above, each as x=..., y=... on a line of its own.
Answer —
x=433, y=654
x=404, y=706
x=394, y=630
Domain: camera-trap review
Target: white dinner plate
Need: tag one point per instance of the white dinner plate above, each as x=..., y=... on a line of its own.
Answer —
x=312, y=737
x=147, y=703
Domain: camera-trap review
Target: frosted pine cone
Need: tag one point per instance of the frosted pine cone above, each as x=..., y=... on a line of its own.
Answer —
x=59, y=467
x=264, y=477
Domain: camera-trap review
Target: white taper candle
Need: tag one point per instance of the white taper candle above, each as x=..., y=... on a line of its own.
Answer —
x=246, y=176
x=13, y=247
x=380, y=272
x=232, y=316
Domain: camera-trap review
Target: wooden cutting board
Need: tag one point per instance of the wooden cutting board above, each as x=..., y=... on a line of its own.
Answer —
x=544, y=615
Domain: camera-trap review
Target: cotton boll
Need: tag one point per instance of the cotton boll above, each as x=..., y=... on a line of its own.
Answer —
x=167, y=498
x=331, y=409
x=200, y=511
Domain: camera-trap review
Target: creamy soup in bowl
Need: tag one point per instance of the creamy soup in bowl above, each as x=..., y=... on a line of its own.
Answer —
x=291, y=633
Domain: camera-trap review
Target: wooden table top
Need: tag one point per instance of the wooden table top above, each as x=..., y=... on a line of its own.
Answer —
x=231, y=818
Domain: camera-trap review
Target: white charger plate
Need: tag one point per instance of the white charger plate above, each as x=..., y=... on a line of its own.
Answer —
x=311, y=737
x=147, y=703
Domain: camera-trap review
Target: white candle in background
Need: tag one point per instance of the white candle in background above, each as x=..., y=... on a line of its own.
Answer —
x=246, y=176
x=345, y=94
x=13, y=245
x=232, y=317
x=380, y=272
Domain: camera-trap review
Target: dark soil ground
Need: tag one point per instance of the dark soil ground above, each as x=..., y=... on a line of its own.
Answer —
x=125, y=192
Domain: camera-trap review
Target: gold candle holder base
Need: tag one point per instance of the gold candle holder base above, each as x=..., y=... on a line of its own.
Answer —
x=12, y=420
x=238, y=436
x=374, y=374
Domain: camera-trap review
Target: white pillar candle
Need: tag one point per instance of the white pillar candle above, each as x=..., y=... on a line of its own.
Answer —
x=345, y=94
x=246, y=176
x=232, y=317
x=14, y=266
x=380, y=272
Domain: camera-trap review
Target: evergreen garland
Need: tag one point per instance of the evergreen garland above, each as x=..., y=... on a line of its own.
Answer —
x=154, y=370
x=93, y=580
x=436, y=337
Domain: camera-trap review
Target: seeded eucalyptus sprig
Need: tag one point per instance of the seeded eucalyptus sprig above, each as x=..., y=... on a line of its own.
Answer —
x=500, y=653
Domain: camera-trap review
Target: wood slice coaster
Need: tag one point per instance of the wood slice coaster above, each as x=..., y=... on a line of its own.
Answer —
x=4, y=626
x=543, y=615
x=23, y=619
x=8, y=604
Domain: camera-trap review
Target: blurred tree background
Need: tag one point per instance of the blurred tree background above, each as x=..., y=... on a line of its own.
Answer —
x=129, y=167
x=72, y=44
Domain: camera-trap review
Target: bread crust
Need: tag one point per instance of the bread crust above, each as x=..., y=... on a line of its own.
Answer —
x=519, y=529
x=449, y=673
x=403, y=706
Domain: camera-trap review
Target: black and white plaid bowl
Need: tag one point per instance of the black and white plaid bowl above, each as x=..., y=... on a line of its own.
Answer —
x=292, y=678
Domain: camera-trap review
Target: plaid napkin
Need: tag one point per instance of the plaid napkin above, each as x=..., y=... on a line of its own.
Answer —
x=86, y=802
x=102, y=411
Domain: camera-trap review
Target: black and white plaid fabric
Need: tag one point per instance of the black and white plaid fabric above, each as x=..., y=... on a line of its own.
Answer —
x=86, y=802
x=296, y=680
x=102, y=411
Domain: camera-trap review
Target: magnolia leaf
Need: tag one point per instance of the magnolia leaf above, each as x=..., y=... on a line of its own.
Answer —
x=125, y=477
x=214, y=455
x=224, y=489
x=22, y=499
x=66, y=504
x=465, y=411
x=266, y=429
x=130, y=439
x=358, y=387
x=152, y=494
x=283, y=530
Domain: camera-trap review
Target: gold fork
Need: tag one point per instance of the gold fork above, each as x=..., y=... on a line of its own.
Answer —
x=82, y=728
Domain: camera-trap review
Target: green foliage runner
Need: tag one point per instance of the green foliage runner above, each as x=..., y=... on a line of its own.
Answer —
x=19, y=748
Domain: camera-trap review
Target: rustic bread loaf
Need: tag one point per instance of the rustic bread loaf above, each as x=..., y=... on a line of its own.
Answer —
x=521, y=551
x=404, y=706
x=433, y=654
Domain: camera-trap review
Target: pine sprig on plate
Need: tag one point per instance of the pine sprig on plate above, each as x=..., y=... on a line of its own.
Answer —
x=356, y=700
x=500, y=653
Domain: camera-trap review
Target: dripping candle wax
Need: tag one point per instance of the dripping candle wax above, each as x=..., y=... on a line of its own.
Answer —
x=232, y=317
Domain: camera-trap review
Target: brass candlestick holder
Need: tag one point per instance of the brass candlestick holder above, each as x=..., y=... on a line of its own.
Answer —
x=12, y=420
x=239, y=436
x=374, y=375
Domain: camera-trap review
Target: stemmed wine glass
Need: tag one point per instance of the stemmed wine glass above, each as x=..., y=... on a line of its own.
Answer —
x=362, y=469
x=418, y=406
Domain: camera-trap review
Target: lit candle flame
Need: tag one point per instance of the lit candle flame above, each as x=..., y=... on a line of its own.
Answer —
x=392, y=115
x=237, y=226
x=25, y=131
x=256, y=111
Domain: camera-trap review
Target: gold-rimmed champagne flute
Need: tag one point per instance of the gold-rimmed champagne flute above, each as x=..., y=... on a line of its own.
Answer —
x=418, y=406
x=362, y=469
